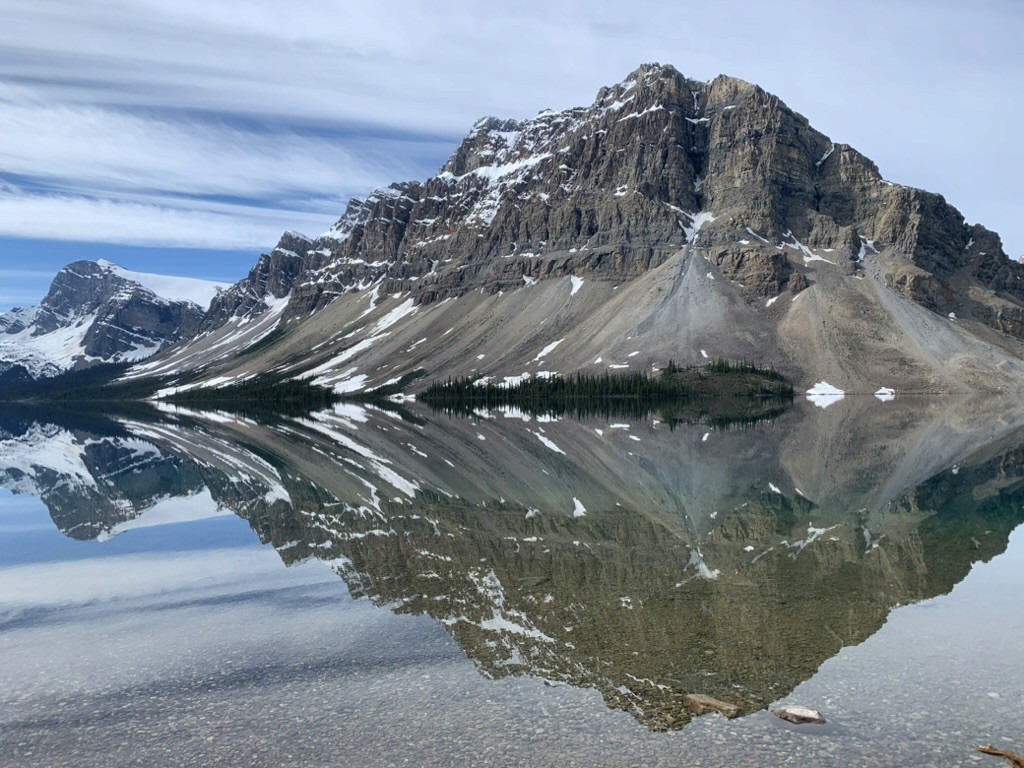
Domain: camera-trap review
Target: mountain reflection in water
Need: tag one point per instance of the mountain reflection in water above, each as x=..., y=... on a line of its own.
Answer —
x=644, y=562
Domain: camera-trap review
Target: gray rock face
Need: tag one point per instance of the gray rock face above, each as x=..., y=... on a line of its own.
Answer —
x=694, y=219
x=273, y=277
x=92, y=314
x=610, y=191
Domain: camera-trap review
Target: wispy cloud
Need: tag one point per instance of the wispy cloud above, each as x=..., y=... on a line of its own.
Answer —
x=90, y=173
x=197, y=224
x=112, y=150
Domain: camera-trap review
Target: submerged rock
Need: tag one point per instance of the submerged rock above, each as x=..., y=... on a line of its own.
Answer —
x=799, y=715
x=699, y=704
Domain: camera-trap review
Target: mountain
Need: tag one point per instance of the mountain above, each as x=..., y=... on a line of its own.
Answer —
x=671, y=219
x=97, y=312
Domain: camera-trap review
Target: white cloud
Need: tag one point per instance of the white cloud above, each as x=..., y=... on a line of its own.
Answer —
x=100, y=175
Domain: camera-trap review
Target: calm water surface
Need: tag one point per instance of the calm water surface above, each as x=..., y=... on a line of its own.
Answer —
x=363, y=588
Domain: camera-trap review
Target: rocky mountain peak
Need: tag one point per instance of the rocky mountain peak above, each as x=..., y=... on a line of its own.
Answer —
x=78, y=289
x=97, y=312
x=653, y=80
x=271, y=278
x=744, y=200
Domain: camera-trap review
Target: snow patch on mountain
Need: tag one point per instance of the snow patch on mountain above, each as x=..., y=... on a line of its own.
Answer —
x=885, y=394
x=47, y=354
x=199, y=292
x=824, y=394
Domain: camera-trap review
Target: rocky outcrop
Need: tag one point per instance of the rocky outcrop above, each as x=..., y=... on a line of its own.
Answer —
x=921, y=286
x=762, y=272
x=272, y=278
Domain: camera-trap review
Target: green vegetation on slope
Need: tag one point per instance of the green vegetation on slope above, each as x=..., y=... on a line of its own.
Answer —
x=259, y=396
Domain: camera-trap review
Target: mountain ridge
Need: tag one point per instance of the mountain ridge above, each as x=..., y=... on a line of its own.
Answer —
x=670, y=219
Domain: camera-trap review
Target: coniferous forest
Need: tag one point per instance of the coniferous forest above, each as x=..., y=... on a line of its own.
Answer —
x=721, y=390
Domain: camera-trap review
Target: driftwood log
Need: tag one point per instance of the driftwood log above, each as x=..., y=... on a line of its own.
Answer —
x=1017, y=761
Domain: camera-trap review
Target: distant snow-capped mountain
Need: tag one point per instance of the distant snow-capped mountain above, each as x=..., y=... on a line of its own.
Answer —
x=97, y=312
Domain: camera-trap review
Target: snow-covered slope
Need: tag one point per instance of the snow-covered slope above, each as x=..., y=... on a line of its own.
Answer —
x=97, y=312
x=172, y=288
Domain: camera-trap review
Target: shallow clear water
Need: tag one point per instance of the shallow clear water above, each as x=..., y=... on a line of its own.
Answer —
x=358, y=589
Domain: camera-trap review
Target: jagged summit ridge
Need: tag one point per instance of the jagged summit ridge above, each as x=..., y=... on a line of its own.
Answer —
x=616, y=187
x=405, y=233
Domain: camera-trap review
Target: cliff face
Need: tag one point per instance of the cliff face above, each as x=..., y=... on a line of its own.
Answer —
x=272, y=278
x=659, y=171
x=614, y=189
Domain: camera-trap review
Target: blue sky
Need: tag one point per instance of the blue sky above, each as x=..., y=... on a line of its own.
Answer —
x=184, y=137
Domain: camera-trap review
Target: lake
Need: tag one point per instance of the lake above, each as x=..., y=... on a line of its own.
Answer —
x=401, y=587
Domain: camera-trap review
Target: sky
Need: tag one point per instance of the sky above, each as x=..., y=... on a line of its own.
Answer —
x=184, y=137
